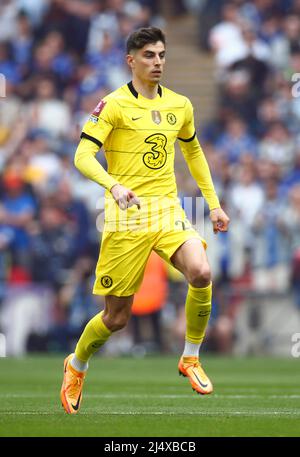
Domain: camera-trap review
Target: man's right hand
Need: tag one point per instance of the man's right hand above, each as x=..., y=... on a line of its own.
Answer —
x=219, y=220
x=124, y=197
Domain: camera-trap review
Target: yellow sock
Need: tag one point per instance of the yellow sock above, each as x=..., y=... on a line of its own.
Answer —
x=92, y=338
x=197, y=312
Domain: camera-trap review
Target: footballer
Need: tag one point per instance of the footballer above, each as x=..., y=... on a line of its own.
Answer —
x=137, y=125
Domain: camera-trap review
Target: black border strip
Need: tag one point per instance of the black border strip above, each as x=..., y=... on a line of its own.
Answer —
x=189, y=139
x=132, y=89
x=91, y=138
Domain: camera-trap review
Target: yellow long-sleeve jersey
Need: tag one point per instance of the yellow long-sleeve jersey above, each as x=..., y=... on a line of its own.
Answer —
x=138, y=135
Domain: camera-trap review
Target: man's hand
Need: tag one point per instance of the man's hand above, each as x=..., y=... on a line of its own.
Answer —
x=219, y=219
x=124, y=197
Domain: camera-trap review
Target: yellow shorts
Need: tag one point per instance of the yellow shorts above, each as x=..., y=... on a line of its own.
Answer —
x=124, y=254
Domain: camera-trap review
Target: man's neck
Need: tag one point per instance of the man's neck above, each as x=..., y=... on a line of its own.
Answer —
x=146, y=90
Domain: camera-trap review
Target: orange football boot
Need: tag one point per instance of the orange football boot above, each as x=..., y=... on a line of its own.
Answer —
x=71, y=389
x=191, y=368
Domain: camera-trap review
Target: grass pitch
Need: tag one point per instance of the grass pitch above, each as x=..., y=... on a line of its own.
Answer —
x=145, y=397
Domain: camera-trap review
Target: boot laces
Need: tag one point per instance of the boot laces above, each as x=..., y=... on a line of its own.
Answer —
x=74, y=385
x=197, y=365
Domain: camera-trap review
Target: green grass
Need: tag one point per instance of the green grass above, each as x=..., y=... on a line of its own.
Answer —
x=146, y=397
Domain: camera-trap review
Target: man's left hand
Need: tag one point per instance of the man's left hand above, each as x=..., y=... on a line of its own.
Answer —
x=219, y=219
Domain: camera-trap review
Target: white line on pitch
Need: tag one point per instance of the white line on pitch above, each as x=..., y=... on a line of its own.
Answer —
x=160, y=413
x=153, y=396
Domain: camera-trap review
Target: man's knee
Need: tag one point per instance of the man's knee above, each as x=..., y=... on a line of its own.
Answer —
x=117, y=312
x=199, y=275
x=116, y=321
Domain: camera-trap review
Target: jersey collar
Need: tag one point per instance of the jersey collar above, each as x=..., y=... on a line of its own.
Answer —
x=136, y=94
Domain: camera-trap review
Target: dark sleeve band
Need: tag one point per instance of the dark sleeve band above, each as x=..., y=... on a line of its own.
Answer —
x=91, y=138
x=189, y=139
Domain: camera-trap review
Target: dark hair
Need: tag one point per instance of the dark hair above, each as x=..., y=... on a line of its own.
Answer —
x=142, y=36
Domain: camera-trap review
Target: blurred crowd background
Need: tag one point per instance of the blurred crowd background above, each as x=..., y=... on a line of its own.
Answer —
x=59, y=58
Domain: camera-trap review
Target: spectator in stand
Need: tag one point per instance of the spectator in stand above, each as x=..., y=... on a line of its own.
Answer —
x=288, y=102
x=108, y=59
x=220, y=167
x=290, y=218
x=43, y=167
x=268, y=113
x=22, y=44
x=76, y=214
x=47, y=112
x=246, y=196
x=270, y=243
x=8, y=18
x=286, y=43
x=34, y=10
x=237, y=97
x=72, y=18
x=52, y=247
x=225, y=38
x=62, y=62
x=256, y=11
x=255, y=61
x=294, y=7
x=236, y=141
x=270, y=30
x=266, y=169
x=76, y=303
x=293, y=177
x=278, y=145
x=17, y=211
x=227, y=253
x=8, y=67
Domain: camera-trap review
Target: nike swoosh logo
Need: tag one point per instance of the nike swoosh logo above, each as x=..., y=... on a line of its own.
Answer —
x=203, y=313
x=77, y=404
x=136, y=118
x=203, y=385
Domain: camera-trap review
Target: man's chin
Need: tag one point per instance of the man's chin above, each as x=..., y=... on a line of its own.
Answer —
x=155, y=78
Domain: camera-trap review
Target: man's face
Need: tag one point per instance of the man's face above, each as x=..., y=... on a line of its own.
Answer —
x=147, y=63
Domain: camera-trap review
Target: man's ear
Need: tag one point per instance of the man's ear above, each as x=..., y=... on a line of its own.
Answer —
x=130, y=60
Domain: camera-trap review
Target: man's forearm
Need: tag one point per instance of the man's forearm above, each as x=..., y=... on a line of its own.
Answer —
x=85, y=161
x=199, y=169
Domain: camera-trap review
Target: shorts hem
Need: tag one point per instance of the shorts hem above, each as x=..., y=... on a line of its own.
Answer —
x=190, y=238
x=112, y=292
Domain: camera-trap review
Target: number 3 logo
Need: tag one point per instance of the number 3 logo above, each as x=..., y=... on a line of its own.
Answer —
x=158, y=155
